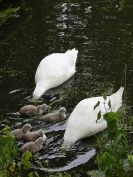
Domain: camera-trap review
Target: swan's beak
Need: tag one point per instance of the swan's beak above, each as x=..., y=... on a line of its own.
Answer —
x=36, y=100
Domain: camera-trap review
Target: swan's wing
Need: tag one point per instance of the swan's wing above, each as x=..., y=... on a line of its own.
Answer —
x=55, y=67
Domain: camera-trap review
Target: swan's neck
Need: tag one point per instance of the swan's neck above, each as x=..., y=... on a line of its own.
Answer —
x=39, y=91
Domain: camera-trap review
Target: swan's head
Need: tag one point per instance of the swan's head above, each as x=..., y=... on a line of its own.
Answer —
x=69, y=139
x=26, y=128
x=66, y=146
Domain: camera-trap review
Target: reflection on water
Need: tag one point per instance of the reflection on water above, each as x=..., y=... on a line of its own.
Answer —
x=104, y=37
x=81, y=159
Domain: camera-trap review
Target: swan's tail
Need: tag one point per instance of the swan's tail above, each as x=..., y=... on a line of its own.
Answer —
x=117, y=99
x=119, y=93
x=72, y=55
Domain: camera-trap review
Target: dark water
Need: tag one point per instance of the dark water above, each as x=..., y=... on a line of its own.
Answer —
x=102, y=32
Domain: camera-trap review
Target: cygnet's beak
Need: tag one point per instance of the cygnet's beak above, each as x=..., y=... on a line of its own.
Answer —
x=44, y=137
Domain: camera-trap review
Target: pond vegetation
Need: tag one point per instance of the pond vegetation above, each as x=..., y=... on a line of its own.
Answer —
x=9, y=9
x=7, y=13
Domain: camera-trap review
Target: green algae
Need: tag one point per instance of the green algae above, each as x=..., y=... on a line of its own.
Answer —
x=7, y=13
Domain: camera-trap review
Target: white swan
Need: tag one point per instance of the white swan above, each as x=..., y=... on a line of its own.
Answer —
x=82, y=121
x=53, y=70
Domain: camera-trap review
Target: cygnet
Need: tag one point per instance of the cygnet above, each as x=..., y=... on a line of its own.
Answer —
x=33, y=147
x=32, y=136
x=31, y=110
x=57, y=116
x=19, y=133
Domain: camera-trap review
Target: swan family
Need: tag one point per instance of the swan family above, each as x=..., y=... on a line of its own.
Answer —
x=52, y=71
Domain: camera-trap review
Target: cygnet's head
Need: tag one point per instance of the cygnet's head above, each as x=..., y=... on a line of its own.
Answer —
x=42, y=108
x=26, y=128
x=62, y=111
x=41, y=133
x=40, y=140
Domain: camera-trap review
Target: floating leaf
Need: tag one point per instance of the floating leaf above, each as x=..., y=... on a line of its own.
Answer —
x=37, y=174
x=104, y=96
x=97, y=104
x=130, y=160
x=109, y=104
x=98, y=116
x=12, y=167
x=130, y=122
x=112, y=122
x=31, y=174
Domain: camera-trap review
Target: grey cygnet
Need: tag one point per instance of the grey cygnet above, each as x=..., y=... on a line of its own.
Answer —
x=31, y=110
x=32, y=136
x=19, y=133
x=57, y=116
x=33, y=147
